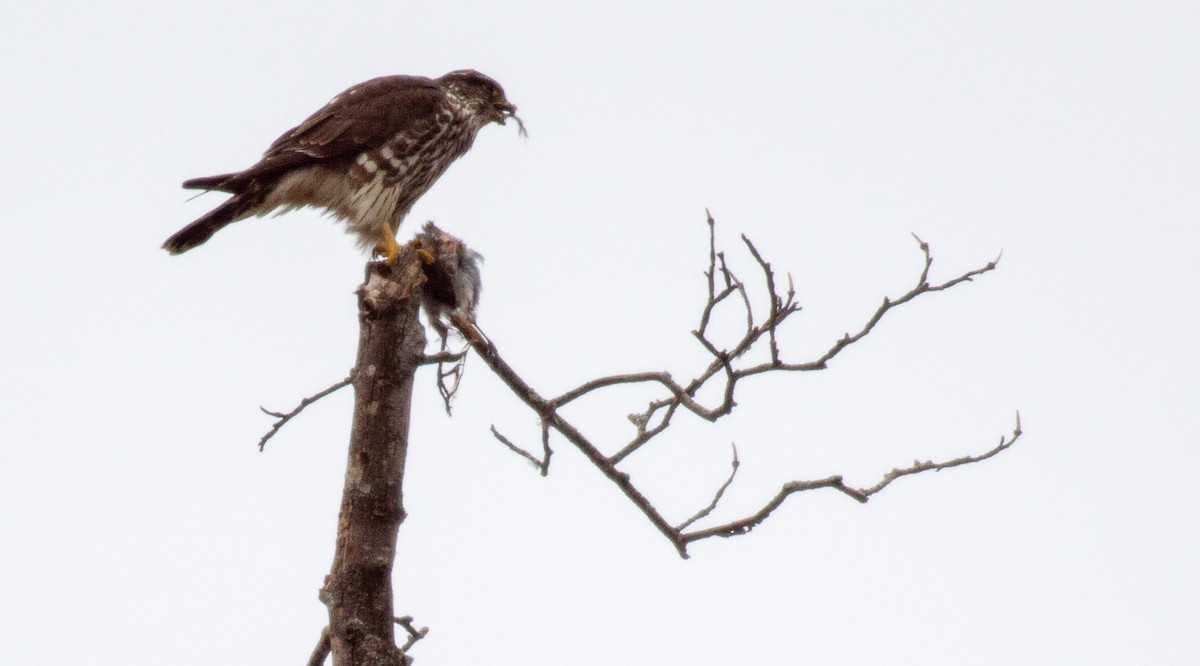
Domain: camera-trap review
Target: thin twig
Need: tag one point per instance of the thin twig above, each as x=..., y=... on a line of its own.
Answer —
x=321, y=651
x=703, y=513
x=414, y=635
x=745, y=525
x=776, y=302
x=917, y=467
x=710, y=274
x=281, y=419
x=542, y=465
x=546, y=450
x=443, y=357
x=448, y=391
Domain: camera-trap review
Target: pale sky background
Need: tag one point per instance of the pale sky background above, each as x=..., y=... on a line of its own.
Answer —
x=140, y=525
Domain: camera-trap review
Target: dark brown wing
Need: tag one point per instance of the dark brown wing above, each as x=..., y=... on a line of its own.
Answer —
x=367, y=114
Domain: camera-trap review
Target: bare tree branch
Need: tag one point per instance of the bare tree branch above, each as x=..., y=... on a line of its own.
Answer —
x=783, y=307
x=545, y=409
x=414, y=635
x=455, y=373
x=744, y=525
x=281, y=419
x=546, y=450
x=321, y=651
x=703, y=513
x=922, y=287
x=776, y=301
x=543, y=465
x=443, y=357
x=721, y=283
x=918, y=466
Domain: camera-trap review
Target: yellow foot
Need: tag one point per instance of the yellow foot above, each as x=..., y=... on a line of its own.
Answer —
x=387, y=249
x=425, y=251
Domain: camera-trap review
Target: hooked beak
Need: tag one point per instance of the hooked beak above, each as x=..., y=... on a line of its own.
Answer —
x=504, y=111
x=507, y=110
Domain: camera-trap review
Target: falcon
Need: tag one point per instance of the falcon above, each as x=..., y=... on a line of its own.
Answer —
x=364, y=158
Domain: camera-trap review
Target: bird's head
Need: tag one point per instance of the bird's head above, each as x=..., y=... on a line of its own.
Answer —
x=482, y=95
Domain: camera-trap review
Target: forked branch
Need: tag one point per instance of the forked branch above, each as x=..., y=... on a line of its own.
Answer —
x=281, y=418
x=744, y=525
x=724, y=367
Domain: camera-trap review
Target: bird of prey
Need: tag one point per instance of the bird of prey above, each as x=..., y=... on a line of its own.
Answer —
x=365, y=157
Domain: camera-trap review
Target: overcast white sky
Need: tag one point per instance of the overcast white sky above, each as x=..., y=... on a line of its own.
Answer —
x=140, y=525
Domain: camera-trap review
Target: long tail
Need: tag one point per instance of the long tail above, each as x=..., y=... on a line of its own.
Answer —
x=210, y=223
x=223, y=183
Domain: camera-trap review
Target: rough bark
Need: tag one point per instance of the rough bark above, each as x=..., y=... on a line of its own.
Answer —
x=358, y=589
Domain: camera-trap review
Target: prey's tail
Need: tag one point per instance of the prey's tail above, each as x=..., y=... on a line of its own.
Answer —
x=234, y=209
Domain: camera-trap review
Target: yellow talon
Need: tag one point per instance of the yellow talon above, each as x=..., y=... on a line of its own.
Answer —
x=387, y=253
x=426, y=251
x=387, y=248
